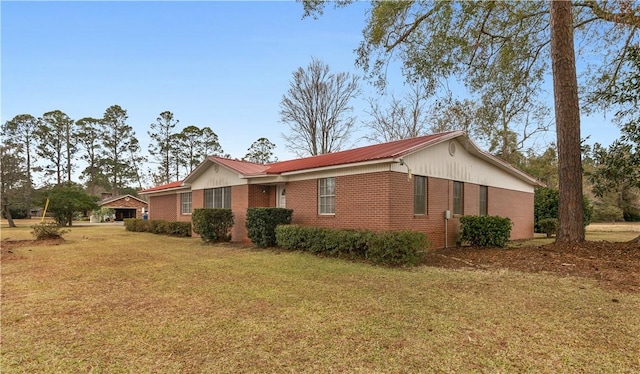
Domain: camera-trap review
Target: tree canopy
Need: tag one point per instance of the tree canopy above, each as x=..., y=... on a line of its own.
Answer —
x=65, y=201
x=495, y=44
x=317, y=109
x=618, y=164
x=261, y=152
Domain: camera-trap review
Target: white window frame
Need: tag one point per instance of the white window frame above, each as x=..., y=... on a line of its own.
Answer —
x=185, y=203
x=217, y=198
x=327, y=196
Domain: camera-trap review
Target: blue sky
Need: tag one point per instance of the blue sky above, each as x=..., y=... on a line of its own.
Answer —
x=225, y=65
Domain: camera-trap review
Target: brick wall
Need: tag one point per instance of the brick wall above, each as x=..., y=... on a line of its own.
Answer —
x=518, y=206
x=262, y=196
x=384, y=201
x=239, y=205
x=375, y=201
x=164, y=207
x=439, y=199
x=354, y=195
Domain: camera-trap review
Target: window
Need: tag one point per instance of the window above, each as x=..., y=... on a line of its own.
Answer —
x=327, y=196
x=217, y=198
x=185, y=203
x=483, y=200
x=458, y=197
x=419, y=194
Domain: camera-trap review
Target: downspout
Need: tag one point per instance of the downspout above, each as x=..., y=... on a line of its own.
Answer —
x=446, y=218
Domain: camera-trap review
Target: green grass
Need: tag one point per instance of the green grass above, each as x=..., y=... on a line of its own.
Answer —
x=112, y=301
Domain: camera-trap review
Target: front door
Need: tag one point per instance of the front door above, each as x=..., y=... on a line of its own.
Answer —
x=281, y=198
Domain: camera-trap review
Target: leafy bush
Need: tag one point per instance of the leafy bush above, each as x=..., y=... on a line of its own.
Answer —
x=262, y=222
x=65, y=201
x=16, y=213
x=104, y=213
x=397, y=248
x=47, y=230
x=213, y=225
x=136, y=225
x=291, y=237
x=389, y=248
x=607, y=213
x=348, y=242
x=548, y=226
x=485, y=231
x=546, y=206
x=179, y=228
x=158, y=226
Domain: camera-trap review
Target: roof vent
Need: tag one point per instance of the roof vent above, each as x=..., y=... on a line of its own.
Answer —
x=452, y=148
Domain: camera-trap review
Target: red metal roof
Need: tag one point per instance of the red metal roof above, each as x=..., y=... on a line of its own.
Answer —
x=242, y=167
x=374, y=152
x=163, y=187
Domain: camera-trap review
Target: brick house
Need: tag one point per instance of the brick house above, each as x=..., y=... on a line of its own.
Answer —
x=125, y=206
x=424, y=184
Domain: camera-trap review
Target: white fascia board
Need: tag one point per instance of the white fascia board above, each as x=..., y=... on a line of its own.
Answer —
x=502, y=164
x=166, y=191
x=340, y=166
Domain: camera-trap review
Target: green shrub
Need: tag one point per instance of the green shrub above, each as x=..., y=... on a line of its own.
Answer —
x=485, y=231
x=103, y=213
x=291, y=237
x=387, y=248
x=158, y=226
x=262, y=222
x=16, y=213
x=546, y=206
x=607, y=213
x=47, y=230
x=213, y=225
x=353, y=243
x=397, y=248
x=179, y=228
x=548, y=226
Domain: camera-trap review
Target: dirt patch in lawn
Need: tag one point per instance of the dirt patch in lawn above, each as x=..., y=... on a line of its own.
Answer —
x=614, y=264
x=8, y=245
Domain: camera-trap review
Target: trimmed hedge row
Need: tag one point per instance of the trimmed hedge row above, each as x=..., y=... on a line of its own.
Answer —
x=262, y=222
x=158, y=226
x=394, y=248
x=485, y=231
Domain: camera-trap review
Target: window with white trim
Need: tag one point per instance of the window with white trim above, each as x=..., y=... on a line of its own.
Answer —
x=217, y=198
x=185, y=203
x=327, y=195
x=419, y=195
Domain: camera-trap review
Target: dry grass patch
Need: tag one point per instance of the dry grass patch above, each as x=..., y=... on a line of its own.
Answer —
x=108, y=300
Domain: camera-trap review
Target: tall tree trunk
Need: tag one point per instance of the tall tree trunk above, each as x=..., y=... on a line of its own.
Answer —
x=7, y=212
x=567, y=111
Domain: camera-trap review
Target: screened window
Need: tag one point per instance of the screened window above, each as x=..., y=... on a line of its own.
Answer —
x=484, y=192
x=327, y=196
x=419, y=195
x=458, y=197
x=219, y=198
x=185, y=203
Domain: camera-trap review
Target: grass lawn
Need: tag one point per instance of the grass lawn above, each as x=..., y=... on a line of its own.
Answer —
x=112, y=301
